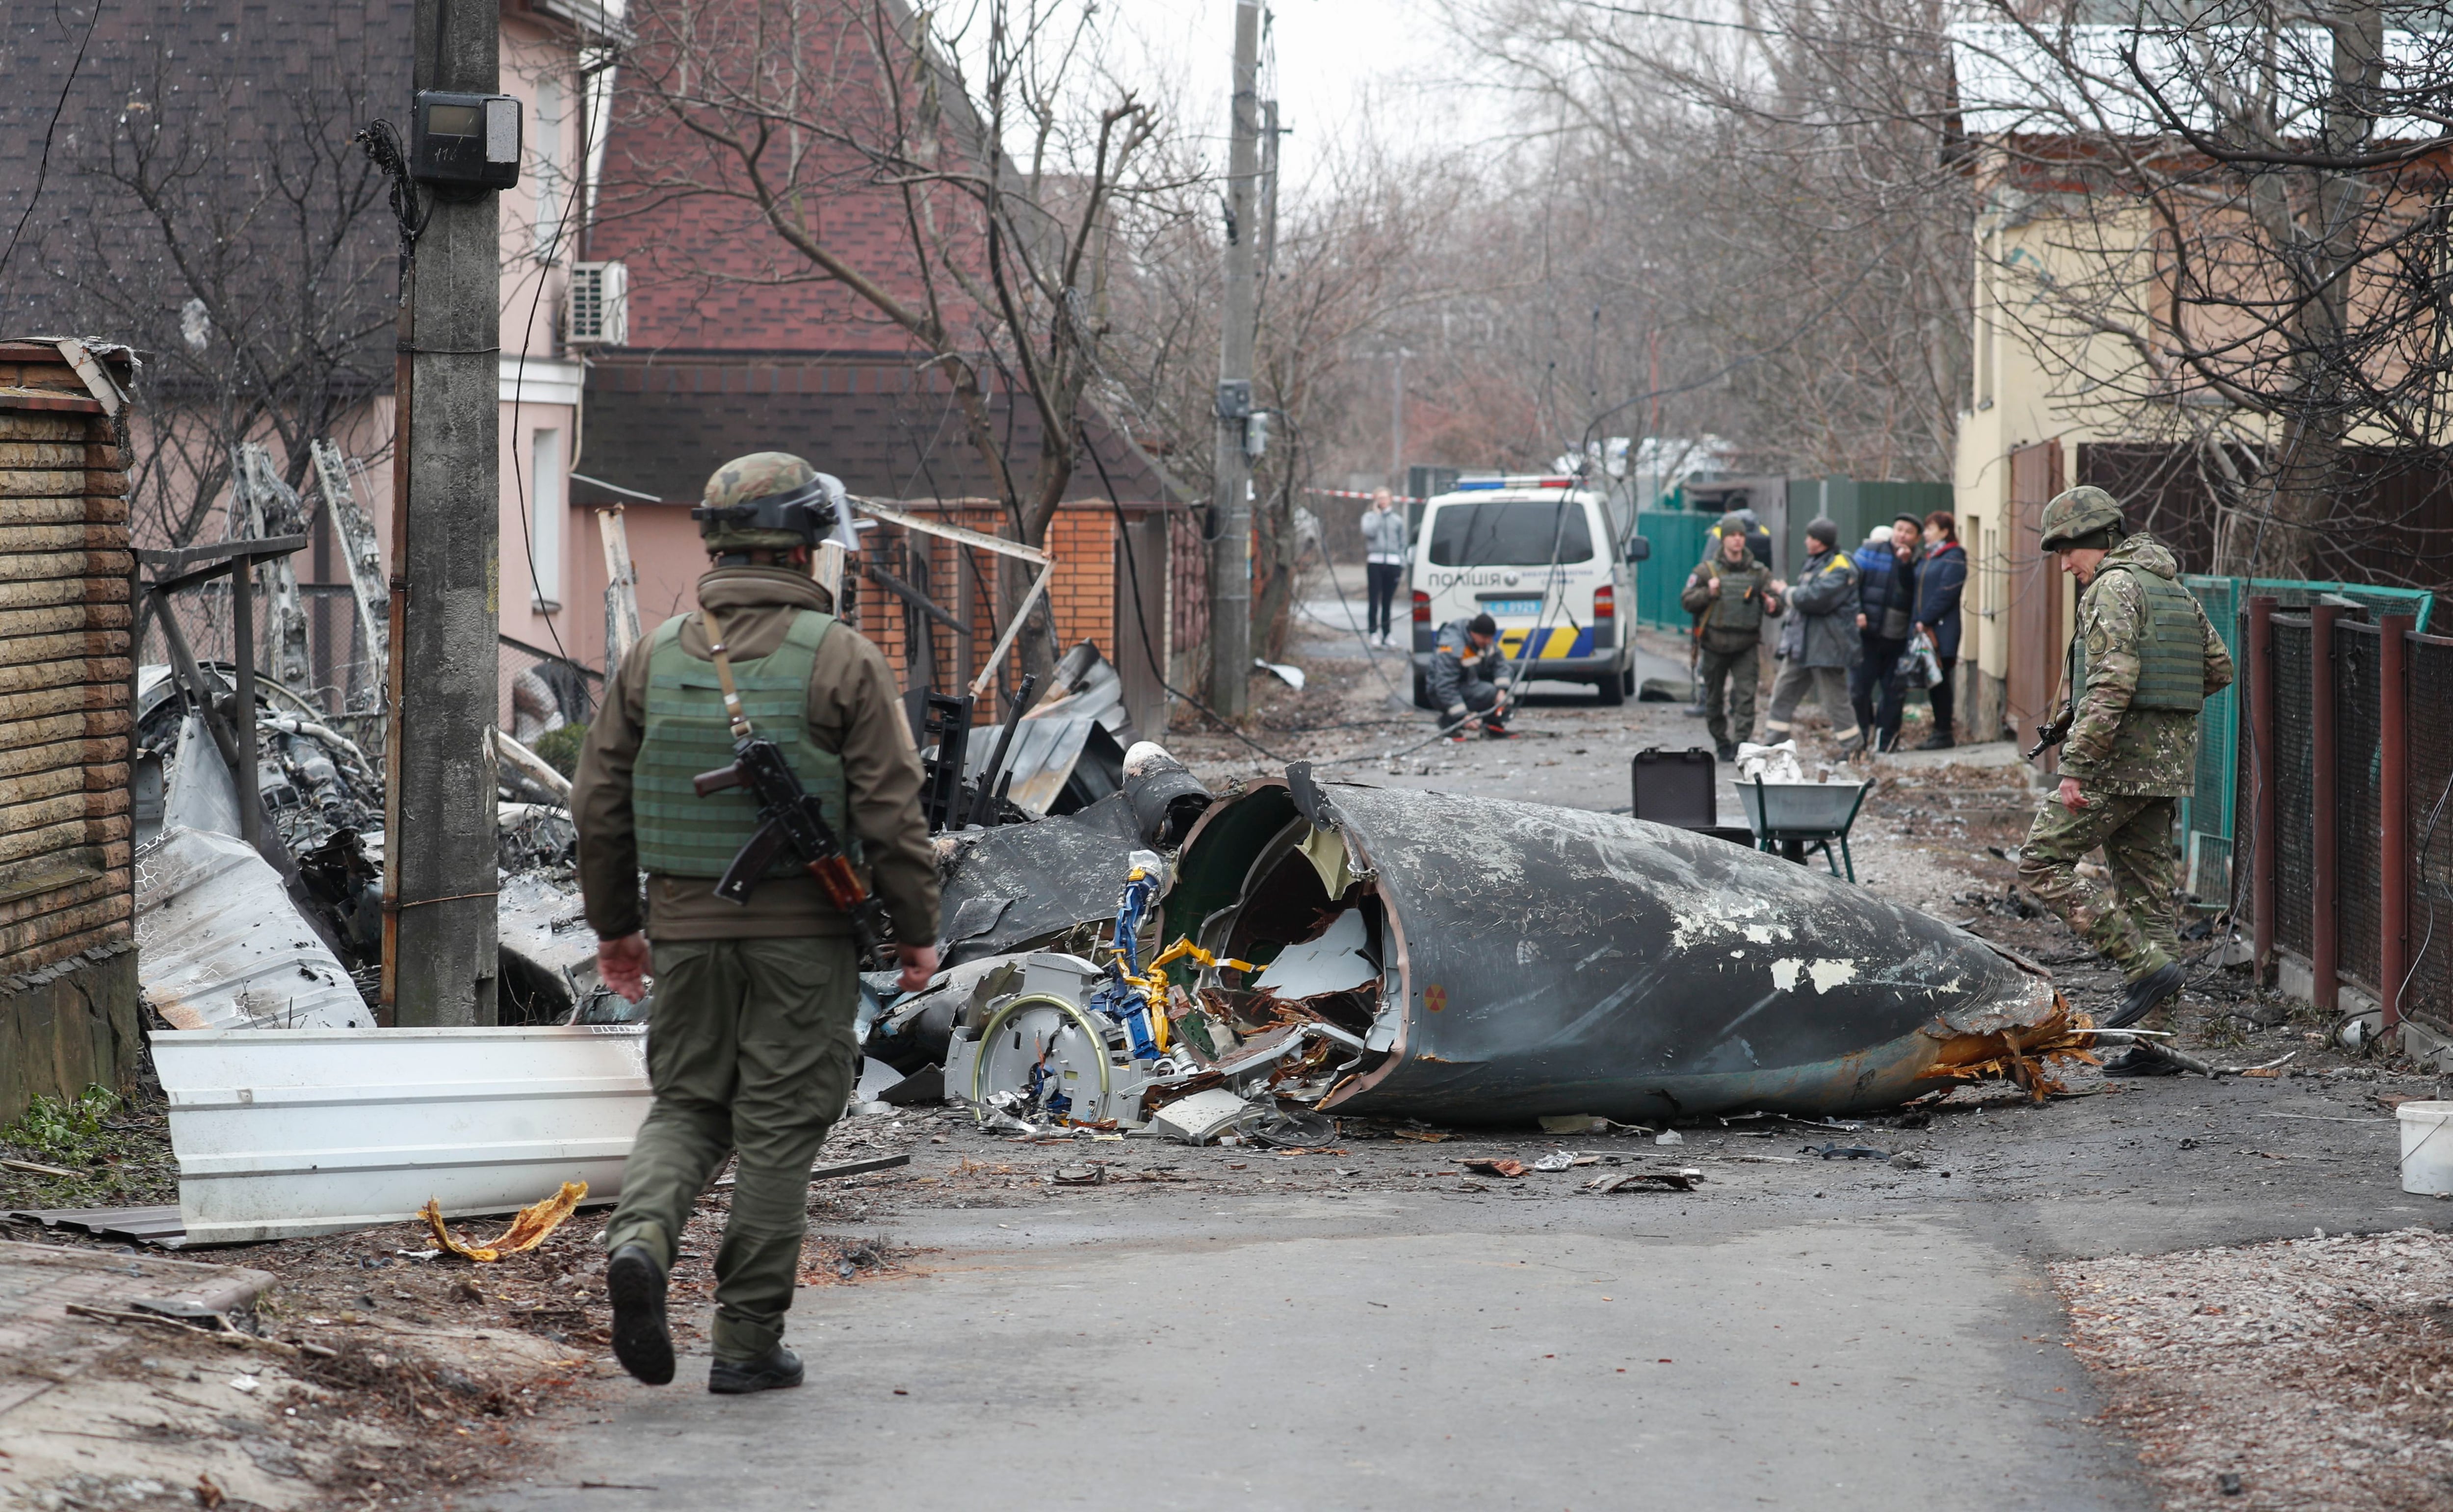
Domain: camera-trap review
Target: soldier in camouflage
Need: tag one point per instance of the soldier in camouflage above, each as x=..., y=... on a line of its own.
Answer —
x=2142, y=664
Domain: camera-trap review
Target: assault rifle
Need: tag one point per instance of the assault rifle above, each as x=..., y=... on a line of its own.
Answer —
x=789, y=819
x=2051, y=734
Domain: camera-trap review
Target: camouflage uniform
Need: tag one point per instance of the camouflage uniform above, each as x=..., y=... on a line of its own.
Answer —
x=2130, y=764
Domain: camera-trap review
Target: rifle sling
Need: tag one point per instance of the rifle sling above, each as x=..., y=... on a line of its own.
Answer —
x=717, y=653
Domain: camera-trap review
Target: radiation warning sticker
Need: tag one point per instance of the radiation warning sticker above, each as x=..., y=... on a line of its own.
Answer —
x=1435, y=997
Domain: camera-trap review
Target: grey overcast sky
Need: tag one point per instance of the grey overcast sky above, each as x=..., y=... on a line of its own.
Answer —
x=1344, y=69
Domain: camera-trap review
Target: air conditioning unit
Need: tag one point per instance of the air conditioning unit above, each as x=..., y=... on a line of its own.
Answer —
x=600, y=306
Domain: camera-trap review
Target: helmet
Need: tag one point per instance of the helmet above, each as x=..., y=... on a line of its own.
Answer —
x=2079, y=512
x=768, y=499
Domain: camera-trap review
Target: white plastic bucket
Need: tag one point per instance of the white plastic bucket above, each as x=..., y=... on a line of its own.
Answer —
x=2426, y=1147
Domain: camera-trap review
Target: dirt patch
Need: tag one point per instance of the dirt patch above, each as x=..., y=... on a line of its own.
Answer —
x=2314, y=1375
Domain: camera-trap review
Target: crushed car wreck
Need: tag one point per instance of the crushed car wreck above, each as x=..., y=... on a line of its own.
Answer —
x=1407, y=954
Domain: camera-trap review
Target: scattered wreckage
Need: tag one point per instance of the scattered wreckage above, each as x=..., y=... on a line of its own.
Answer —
x=1406, y=954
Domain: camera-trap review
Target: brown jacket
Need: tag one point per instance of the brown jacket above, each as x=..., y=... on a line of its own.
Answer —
x=852, y=711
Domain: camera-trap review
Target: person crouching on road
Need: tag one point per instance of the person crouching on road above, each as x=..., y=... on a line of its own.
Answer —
x=2143, y=662
x=1384, y=562
x=1818, y=641
x=1730, y=596
x=751, y=1049
x=1465, y=679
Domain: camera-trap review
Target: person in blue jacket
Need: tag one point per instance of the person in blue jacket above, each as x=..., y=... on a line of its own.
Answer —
x=1942, y=576
x=1886, y=606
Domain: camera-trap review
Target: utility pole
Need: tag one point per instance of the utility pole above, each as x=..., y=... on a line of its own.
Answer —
x=1230, y=555
x=439, y=848
x=1397, y=420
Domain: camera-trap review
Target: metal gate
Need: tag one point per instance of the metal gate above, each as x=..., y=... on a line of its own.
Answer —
x=2035, y=619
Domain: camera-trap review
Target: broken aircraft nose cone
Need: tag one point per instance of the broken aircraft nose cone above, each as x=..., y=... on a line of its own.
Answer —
x=1544, y=961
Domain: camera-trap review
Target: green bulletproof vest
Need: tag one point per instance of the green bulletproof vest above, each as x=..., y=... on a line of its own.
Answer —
x=2172, y=653
x=680, y=833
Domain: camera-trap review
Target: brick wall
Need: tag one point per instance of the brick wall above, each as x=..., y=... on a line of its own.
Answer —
x=1083, y=592
x=705, y=266
x=67, y=1001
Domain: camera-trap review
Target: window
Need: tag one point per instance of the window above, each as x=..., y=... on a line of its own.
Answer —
x=553, y=185
x=1510, y=533
x=545, y=517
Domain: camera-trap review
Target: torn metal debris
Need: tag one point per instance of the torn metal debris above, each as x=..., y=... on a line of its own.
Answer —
x=1407, y=954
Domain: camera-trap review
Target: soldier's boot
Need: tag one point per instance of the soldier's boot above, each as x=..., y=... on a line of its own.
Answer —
x=2135, y=1061
x=635, y=1284
x=775, y=1369
x=2148, y=993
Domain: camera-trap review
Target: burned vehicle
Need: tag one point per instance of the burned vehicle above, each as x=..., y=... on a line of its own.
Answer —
x=1405, y=954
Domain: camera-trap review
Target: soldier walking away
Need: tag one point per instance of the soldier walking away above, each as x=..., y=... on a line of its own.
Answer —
x=1730, y=596
x=1384, y=562
x=751, y=1049
x=1818, y=641
x=1465, y=679
x=2140, y=665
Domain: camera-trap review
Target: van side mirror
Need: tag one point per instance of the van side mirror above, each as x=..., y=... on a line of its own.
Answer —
x=1638, y=548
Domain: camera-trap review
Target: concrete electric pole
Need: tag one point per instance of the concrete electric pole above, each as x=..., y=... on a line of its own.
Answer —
x=1230, y=555
x=438, y=844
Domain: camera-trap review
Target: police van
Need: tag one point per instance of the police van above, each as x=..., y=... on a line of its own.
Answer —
x=1538, y=555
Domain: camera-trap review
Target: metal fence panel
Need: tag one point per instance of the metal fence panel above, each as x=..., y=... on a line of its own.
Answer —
x=2358, y=881
x=1677, y=537
x=2430, y=734
x=2294, y=881
x=2206, y=814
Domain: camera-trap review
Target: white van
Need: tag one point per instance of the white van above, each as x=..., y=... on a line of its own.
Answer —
x=1537, y=554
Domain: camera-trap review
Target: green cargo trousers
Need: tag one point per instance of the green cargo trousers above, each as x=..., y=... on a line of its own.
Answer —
x=749, y=1050
x=2133, y=924
x=1731, y=680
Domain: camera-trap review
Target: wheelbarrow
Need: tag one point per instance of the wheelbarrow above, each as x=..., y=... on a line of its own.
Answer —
x=1797, y=818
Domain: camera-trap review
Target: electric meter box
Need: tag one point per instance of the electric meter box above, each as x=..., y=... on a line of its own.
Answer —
x=465, y=141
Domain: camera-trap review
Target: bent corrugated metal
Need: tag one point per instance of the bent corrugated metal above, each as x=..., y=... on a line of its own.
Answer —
x=1557, y=960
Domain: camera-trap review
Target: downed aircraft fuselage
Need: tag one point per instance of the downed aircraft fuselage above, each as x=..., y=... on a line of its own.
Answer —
x=1550, y=960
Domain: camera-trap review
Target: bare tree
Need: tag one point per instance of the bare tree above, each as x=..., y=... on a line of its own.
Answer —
x=2247, y=207
x=1756, y=215
x=1001, y=188
x=1348, y=257
x=218, y=217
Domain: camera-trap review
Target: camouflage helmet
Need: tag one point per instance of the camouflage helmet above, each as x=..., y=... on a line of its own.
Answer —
x=2076, y=513
x=767, y=500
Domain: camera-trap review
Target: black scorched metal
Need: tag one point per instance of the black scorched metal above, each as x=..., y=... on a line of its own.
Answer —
x=1548, y=961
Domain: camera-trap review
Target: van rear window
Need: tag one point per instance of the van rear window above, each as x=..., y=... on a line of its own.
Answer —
x=1520, y=533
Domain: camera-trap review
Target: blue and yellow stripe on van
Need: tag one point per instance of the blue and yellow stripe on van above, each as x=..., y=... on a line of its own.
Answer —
x=1558, y=641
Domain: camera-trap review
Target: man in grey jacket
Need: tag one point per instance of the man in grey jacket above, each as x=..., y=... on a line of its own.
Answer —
x=1818, y=642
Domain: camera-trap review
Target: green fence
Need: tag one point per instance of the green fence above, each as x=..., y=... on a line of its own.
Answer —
x=2207, y=815
x=1857, y=508
x=1677, y=537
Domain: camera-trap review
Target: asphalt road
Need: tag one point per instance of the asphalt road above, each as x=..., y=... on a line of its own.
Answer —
x=1795, y=1333
x=1376, y=1331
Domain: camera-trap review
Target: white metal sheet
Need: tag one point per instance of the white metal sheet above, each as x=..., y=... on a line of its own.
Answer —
x=220, y=945
x=282, y=1133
